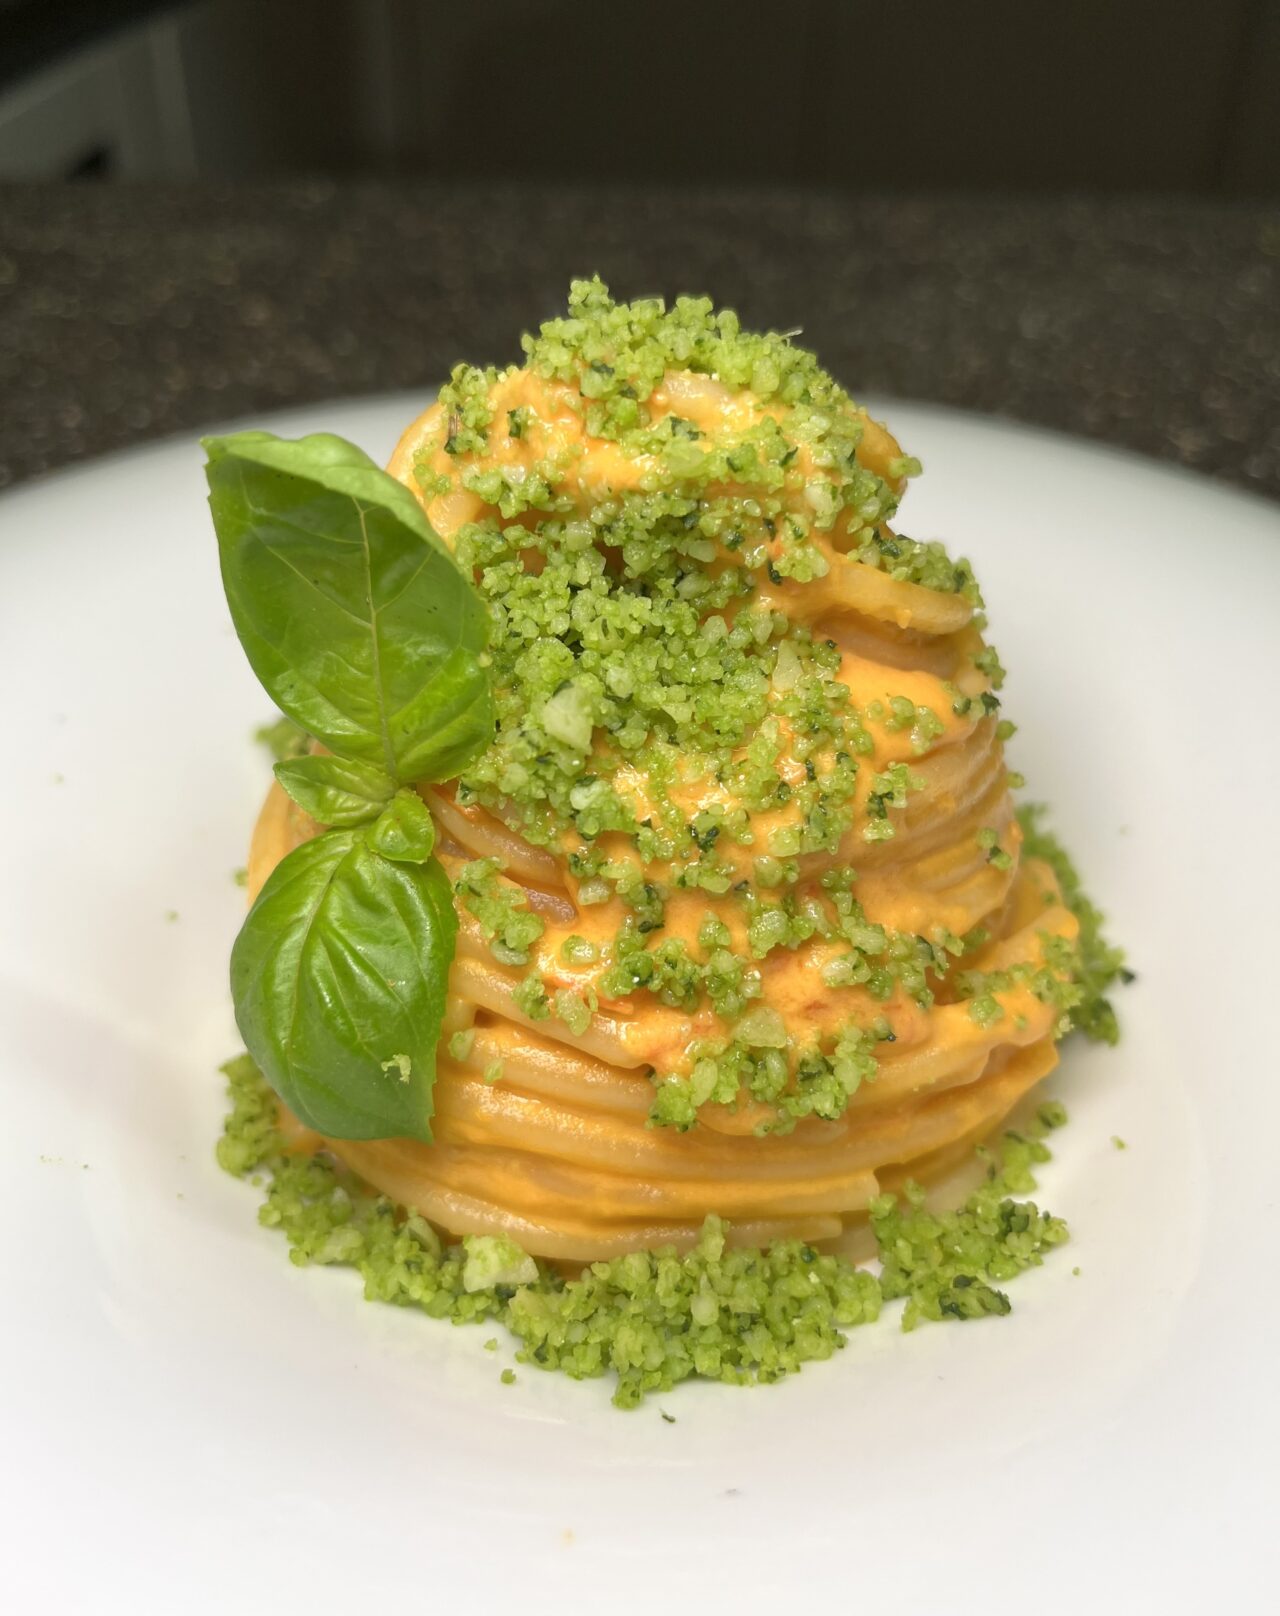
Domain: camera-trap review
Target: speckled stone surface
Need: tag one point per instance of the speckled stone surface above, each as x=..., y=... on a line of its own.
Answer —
x=130, y=313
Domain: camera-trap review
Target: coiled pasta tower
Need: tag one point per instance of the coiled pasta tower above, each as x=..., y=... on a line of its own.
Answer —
x=744, y=923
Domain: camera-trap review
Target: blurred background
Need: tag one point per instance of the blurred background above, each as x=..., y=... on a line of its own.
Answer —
x=1068, y=214
x=1099, y=95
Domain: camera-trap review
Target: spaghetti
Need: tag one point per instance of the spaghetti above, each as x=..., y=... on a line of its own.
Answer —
x=745, y=924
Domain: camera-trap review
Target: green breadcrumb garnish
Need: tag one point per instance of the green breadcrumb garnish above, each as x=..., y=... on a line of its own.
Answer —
x=640, y=644
x=250, y=1137
x=656, y=1318
x=653, y=1319
x=947, y=1265
x=644, y=634
x=1100, y=964
x=500, y=908
x=493, y=1260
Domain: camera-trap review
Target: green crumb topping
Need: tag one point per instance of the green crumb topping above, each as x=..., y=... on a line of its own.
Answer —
x=913, y=561
x=997, y=857
x=401, y=1065
x=661, y=690
x=808, y=1079
x=888, y=790
x=508, y=1377
x=531, y=996
x=595, y=671
x=461, y=1043
x=1099, y=964
x=501, y=909
x=756, y=1064
x=985, y=1009
x=493, y=1260
x=1052, y=1114
x=901, y=713
x=657, y=1318
x=251, y=1135
x=948, y=1265
x=634, y=628
x=574, y=1009
x=654, y=1319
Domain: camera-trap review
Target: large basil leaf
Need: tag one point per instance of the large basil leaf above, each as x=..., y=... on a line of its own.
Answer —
x=339, y=976
x=336, y=791
x=352, y=613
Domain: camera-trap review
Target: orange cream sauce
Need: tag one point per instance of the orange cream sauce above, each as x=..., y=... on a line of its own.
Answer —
x=558, y=1153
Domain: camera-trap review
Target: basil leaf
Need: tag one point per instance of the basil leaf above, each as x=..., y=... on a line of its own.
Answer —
x=336, y=791
x=339, y=977
x=352, y=613
x=404, y=831
x=283, y=739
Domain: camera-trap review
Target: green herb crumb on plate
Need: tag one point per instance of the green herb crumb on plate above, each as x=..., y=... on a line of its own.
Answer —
x=633, y=615
x=651, y=1320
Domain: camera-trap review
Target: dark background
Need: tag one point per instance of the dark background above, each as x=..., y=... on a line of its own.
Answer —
x=1067, y=214
x=1175, y=96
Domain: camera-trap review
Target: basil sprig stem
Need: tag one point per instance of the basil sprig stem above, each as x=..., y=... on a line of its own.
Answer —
x=364, y=631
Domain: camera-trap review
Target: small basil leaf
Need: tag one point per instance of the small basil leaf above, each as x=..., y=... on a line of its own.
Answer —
x=336, y=791
x=352, y=613
x=283, y=739
x=339, y=977
x=404, y=831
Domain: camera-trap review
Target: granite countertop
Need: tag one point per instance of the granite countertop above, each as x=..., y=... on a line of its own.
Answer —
x=128, y=313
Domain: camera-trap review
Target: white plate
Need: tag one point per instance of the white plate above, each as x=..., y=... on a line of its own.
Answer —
x=192, y=1424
